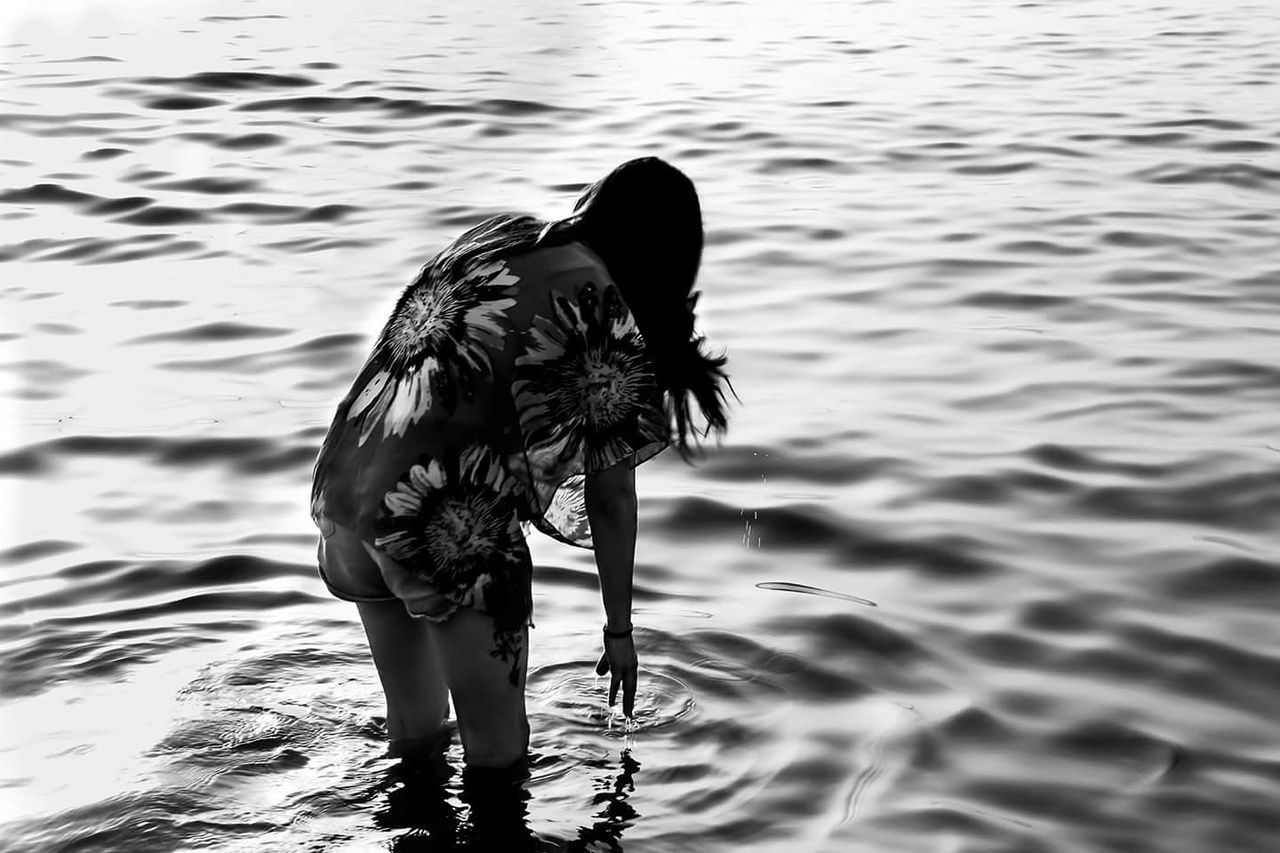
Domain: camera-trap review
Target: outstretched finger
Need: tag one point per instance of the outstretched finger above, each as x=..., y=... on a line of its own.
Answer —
x=603, y=666
x=613, y=689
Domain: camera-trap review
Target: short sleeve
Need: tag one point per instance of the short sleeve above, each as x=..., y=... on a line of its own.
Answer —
x=586, y=397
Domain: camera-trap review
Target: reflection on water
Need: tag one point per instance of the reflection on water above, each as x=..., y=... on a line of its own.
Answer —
x=616, y=812
x=987, y=563
x=488, y=810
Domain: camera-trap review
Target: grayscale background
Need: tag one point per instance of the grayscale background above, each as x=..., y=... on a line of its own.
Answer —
x=988, y=561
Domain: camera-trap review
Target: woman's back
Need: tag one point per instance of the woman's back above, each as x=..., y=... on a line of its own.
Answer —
x=507, y=371
x=521, y=347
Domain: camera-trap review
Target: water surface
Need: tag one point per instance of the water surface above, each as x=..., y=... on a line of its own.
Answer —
x=988, y=562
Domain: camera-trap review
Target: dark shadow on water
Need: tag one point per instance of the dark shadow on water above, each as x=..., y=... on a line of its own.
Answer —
x=612, y=793
x=485, y=810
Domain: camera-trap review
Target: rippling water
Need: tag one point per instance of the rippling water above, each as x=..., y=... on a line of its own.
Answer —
x=988, y=563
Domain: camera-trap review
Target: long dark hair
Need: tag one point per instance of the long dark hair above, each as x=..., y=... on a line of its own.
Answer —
x=645, y=222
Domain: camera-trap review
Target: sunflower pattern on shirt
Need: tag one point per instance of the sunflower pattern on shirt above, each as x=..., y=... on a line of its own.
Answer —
x=587, y=399
x=453, y=522
x=434, y=349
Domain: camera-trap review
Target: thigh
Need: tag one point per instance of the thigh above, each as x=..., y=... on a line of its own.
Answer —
x=488, y=702
x=412, y=674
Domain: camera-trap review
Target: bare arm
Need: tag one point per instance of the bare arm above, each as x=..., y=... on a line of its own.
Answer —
x=611, y=508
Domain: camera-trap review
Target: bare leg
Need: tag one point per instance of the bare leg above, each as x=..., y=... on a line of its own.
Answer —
x=413, y=678
x=421, y=661
x=490, y=709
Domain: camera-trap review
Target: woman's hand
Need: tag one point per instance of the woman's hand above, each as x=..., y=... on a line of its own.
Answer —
x=619, y=659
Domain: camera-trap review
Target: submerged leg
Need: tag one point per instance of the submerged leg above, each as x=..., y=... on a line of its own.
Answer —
x=412, y=674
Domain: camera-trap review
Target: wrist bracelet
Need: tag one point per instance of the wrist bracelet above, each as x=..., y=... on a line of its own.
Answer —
x=617, y=635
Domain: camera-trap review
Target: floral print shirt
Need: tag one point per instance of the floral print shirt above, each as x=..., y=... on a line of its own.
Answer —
x=488, y=397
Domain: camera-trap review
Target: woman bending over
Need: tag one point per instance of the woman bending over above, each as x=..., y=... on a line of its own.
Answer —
x=522, y=376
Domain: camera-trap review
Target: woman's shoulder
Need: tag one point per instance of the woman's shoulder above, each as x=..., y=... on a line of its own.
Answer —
x=548, y=263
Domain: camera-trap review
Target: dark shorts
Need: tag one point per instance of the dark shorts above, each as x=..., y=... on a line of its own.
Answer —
x=354, y=570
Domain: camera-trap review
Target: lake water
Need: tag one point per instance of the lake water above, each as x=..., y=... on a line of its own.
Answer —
x=987, y=563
